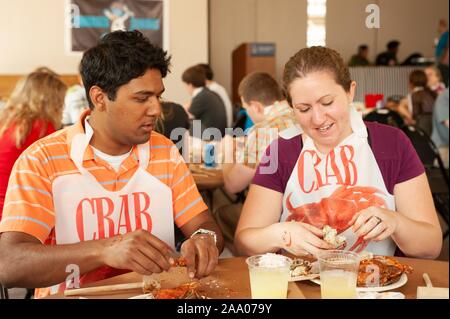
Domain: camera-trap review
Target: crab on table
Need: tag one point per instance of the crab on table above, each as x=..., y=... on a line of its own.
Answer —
x=380, y=271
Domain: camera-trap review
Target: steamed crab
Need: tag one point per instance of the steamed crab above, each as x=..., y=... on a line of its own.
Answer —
x=337, y=210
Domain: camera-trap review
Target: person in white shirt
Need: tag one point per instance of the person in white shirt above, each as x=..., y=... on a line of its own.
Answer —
x=75, y=103
x=220, y=90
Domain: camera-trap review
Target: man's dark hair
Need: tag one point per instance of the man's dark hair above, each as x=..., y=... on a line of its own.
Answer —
x=362, y=47
x=208, y=71
x=393, y=44
x=260, y=87
x=118, y=58
x=195, y=76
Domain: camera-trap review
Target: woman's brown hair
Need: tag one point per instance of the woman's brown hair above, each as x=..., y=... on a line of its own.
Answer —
x=313, y=59
x=38, y=96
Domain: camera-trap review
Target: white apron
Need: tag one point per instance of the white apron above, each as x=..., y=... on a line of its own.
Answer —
x=85, y=210
x=351, y=170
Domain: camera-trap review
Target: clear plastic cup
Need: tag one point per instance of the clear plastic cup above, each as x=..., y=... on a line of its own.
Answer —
x=269, y=276
x=338, y=274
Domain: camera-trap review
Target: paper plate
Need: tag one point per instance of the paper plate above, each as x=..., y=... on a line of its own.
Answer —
x=401, y=282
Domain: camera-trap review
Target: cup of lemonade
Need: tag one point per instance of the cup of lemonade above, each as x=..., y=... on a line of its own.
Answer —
x=338, y=274
x=269, y=276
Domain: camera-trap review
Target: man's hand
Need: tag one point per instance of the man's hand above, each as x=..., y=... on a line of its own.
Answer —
x=201, y=255
x=138, y=251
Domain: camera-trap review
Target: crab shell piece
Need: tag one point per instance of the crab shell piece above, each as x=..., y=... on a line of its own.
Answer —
x=185, y=291
x=180, y=262
x=380, y=271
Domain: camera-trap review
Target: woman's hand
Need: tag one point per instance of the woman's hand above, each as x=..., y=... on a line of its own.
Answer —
x=301, y=239
x=374, y=223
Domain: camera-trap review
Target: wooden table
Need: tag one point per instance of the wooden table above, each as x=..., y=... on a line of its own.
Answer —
x=207, y=180
x=437, y=270
x=230, y=280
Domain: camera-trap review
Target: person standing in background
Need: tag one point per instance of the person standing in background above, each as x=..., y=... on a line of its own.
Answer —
x=32, y=112
x=220, y=90
x=205, y=104
x=441, y=51
x=441, y=125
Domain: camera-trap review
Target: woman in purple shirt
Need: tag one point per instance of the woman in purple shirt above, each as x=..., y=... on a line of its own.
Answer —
x=363, y=180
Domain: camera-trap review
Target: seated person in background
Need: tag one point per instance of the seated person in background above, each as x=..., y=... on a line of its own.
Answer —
x=434, y=79
x=264, y=102
x=105, y=193
x=44, y=69
x=388, y=114
x=413, y=59
x=243, y=120
x=173, y=117
x=417, y=108
x=220, y=90
x=441, y=125
x=360, y=59
x=32, y=112
x=375, y=194
x=75, y=103
x=205, y=105
x=389, y=57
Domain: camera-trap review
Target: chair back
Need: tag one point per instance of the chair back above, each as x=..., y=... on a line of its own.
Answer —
x=437, y=177
x=425, y=148
x=385, y=116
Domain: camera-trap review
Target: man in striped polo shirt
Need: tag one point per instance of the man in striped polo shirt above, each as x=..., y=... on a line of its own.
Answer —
x=102, y=196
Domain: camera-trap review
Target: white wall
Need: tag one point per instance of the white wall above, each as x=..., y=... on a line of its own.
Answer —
x=412, y=22
x=233, y=22
x=32, y=35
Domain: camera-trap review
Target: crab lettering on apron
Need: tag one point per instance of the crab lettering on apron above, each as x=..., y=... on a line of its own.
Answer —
x=103, y=207
x=329, y=189
x=332, y=173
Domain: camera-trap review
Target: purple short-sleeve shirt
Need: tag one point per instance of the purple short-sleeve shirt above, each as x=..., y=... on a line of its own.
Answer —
x=394, y=153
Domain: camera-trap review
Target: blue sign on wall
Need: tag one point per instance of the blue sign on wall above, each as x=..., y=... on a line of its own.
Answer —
x=262, y=49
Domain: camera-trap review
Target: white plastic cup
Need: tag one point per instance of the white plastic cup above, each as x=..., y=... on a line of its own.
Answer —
x=269, y=280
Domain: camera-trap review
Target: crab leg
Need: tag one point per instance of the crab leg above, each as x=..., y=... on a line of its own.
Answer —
x=359, y=245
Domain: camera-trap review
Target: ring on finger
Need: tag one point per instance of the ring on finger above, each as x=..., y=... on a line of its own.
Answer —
x=379, y=220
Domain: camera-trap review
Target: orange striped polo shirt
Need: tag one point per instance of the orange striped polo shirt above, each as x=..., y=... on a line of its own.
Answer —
x=29, y=204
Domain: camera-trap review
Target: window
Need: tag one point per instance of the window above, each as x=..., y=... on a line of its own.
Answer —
x=316, y=12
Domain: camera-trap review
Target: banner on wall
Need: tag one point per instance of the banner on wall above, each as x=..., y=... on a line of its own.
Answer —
x=89, y=20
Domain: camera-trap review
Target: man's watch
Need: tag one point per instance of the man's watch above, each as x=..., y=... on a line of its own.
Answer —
x=202, y=231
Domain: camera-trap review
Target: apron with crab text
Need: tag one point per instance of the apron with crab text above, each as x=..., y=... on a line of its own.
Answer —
x=329, y=189
x=85, y=210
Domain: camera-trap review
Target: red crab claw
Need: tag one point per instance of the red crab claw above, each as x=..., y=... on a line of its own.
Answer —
x=359, y=245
